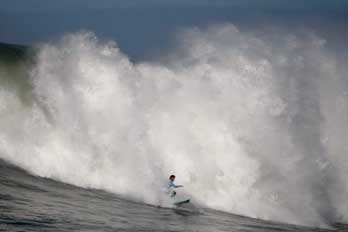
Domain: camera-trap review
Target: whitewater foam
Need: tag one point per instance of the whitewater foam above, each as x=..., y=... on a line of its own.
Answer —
x=247, y=123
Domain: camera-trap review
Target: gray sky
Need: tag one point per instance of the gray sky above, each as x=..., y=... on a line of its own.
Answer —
x=148, y=27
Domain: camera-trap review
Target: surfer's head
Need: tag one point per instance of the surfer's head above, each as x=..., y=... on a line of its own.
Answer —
x=172, y=177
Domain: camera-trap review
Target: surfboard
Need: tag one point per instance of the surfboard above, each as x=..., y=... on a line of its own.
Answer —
x=182, y=202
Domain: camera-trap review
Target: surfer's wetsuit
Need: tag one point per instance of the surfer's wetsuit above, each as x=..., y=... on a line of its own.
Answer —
x=171, y=186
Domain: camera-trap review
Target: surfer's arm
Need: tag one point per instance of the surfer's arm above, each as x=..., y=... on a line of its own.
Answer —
x=172, y=185
x=178, y=186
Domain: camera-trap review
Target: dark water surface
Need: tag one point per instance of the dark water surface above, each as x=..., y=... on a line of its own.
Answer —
x=30, y=203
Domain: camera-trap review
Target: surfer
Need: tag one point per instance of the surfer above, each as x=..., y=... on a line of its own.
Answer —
x=171, y=186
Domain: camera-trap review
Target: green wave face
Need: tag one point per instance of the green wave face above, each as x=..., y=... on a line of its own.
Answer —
x=10, y=53
x=15, y=63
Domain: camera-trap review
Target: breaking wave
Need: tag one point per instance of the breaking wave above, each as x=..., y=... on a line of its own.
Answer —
x=250, y=124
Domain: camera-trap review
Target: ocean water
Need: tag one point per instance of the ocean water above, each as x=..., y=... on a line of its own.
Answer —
x=30, y=203
x=252, y=124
